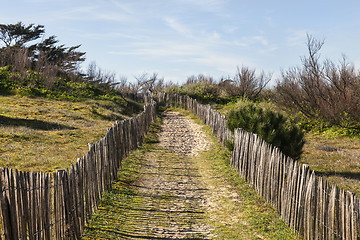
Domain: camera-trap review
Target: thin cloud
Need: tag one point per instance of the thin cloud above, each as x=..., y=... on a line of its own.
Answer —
x=123, y=7
x=239, y=43
x=112, y=35
x=230, y=29
x=96, y=12
x=45, y=1
x=260, y=39
x=205, y=54
x=178, y=27
x=216, y=6
x=249, y=41
x=160, y=49
x=225, y=63
x=296, y=37
x=268, y=50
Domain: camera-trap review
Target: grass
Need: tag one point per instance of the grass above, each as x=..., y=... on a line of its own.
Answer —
x=337, y=159
x=39, y=134
x=236, y=211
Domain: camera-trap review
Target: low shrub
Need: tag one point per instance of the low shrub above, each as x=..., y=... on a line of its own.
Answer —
x=6, y=84
x=272, y=127
x=33, y=85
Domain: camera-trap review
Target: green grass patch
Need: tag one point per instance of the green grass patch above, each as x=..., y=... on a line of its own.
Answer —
x=41, y=134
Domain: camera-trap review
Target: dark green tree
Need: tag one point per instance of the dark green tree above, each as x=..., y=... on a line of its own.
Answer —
x=66, y=58
x=18, y=34
x=22, y=43
x=272, y=127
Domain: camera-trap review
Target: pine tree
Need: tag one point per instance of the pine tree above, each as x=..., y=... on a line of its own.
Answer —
x=272, y=127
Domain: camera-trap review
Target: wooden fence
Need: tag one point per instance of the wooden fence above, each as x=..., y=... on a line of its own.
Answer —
x=307, y=203
x=57, y=205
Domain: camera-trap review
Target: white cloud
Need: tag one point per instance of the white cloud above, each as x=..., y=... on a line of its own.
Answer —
x=249, y=41
x=260, y=39
x=297, y=37
x=178, y=27
x=201, y=48
x=112, y=35
x=44, y=1
x=123, y=7
x=204, y=54
x=96, y=12
x=230, y=29
x=268, y=50
x=225, y=63
x=239, y=43
x=164, y=48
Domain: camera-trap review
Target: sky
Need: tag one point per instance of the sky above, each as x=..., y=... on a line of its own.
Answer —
x=180, y=38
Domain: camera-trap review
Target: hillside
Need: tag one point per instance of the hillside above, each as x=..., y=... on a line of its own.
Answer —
x=40, y=134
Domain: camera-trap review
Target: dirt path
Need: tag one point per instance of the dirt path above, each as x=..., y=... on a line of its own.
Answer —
x=167, y=191
x=182, y=135
x=176, y=193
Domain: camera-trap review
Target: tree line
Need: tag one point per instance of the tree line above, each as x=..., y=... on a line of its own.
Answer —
x=318, y=93
x=33, y=64
x=25, y=49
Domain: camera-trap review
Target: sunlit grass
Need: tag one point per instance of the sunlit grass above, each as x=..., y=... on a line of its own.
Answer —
x=336, y=159
x=38, y=134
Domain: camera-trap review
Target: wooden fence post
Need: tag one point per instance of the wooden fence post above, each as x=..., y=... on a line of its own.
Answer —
x=6, y=213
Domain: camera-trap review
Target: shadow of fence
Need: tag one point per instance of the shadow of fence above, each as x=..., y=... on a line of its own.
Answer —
x=32, y=123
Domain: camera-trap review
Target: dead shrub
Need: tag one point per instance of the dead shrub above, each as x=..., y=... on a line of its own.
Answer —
x=322, y=89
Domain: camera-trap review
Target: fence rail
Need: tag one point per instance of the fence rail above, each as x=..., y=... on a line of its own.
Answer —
x=307, y=203
x=37, y=205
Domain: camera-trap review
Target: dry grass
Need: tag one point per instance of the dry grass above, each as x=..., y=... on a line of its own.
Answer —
x=337, y=159
x=38, y=134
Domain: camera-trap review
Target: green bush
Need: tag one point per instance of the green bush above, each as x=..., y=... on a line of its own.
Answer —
x=272, y=127
x=33, y=85
x=6, y=84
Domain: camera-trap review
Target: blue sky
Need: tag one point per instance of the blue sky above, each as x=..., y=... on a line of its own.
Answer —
x=180, y=38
